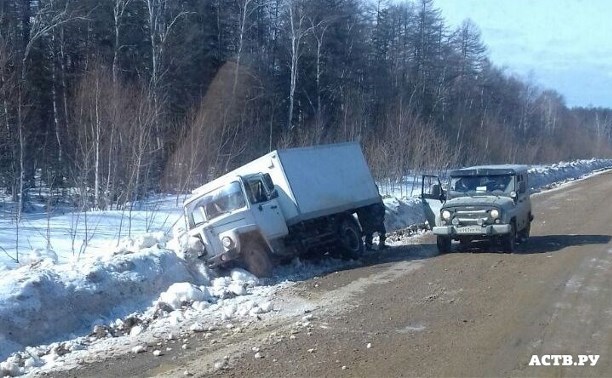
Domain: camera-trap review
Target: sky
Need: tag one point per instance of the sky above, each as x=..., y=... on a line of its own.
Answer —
x=557, y=44
x=146, y=293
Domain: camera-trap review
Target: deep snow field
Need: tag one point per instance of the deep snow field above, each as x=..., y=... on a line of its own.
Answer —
x=88, y=283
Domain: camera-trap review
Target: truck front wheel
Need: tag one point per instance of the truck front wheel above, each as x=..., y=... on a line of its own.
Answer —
x=257, y=259
x=349, y=236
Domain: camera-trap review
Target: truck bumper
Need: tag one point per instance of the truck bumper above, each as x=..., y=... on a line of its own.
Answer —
x=222, y=258
x=490, y=230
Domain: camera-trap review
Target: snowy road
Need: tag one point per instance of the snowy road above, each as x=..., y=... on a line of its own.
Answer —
x=408, y=312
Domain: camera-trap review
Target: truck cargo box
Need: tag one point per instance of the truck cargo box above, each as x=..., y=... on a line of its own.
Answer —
x=313, y=181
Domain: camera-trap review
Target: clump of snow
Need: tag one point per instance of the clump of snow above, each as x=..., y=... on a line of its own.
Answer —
x=184, y=293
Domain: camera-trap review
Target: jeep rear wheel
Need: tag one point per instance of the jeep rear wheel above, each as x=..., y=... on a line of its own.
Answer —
x=257, y=259
x=444, y=244
x=349, y=237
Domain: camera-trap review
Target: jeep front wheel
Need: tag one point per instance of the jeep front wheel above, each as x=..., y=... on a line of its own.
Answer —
x=444, y=244
x=509, y=241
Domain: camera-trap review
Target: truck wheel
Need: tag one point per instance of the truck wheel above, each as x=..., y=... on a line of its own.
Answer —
x=444, y=244
x=509, y=241
x=257, y=260
x=349, y=236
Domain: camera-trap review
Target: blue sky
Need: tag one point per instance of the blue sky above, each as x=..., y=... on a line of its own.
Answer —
x=565, y=45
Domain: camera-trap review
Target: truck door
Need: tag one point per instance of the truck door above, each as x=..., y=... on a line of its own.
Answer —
x=265, y=207
x=432, y=198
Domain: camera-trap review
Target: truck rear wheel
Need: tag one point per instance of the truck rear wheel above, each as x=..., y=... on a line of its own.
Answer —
x=257, y=259
x=349, y=236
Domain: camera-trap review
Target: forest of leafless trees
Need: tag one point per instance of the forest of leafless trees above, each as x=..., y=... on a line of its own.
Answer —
x=120, y=98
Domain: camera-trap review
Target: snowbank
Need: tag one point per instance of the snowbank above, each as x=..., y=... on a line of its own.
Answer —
x=43, y=302
x=544, y=176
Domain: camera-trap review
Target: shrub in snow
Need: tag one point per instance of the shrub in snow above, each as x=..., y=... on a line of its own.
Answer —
x=38, y=255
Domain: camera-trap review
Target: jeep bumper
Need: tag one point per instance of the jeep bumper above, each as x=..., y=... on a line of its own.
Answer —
x=489, y=230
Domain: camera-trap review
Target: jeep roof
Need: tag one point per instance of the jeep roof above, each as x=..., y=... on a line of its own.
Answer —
x=486, y=170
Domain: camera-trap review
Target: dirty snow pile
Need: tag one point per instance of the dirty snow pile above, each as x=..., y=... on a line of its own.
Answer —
x=58, y=308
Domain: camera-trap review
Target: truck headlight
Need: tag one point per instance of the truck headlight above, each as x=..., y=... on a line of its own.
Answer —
x=227, y=242
x=494, y=214
x=446, y=215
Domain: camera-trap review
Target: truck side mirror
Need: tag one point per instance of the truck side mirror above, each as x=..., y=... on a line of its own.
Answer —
x=274, y=193
x=442, y=195
x=522, y=187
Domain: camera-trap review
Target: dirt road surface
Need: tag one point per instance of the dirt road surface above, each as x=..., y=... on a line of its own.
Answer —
x=408, y=311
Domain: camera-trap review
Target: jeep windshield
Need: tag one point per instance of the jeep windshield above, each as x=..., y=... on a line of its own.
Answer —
x=481, y=185
x=218, y=202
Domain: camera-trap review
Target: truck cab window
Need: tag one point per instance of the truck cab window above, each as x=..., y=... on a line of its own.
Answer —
x=256, y=191
x=216, y=203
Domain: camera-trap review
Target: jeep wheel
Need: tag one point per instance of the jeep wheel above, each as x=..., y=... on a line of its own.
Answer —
x=509, y=241
x=257, y=260
x=349, y=237
x=444, y=244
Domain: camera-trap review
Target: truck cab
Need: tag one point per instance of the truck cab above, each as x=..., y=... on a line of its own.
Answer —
x=482, y=203
x=237, y=218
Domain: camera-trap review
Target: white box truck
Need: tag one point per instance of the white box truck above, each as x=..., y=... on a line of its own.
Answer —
x=286, y=203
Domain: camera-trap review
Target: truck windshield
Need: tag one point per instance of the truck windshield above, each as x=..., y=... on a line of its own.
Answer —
x=218, y=202
x=481, y=185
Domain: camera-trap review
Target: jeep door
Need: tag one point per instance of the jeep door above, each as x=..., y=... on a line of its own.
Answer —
x=432, y=198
